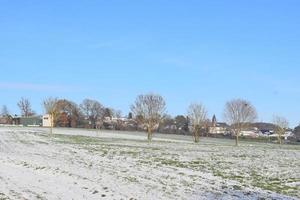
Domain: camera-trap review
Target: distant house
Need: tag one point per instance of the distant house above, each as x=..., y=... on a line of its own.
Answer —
x=218, y=127
x=46, y=120
x=118, y=123
x=264, y=128
x=266, y=132
x=260, y=129
x=250, y=132
x=31, y=121
x=16, y=120
x=10, y=120
x=6, y=120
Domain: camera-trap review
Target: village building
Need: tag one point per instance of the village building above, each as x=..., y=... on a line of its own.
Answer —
x=218, y=127
x=46, y=120
x=16, y=120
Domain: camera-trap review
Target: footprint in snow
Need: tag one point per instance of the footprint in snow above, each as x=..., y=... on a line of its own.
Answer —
x=95, y=192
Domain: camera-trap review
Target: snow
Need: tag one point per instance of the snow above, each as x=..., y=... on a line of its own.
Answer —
x=90, y=164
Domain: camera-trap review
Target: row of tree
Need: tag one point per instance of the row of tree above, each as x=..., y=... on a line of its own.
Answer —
x=149, y=111
x=24, y=106
x=66, y=113
x=90, y=113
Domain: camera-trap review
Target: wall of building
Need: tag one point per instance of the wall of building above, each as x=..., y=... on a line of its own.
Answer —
x=47, y=120
x=31, y=121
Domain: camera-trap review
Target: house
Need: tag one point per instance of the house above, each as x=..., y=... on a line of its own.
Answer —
x=16, y=120
x=266, y=132
x=119, y=123
x=46, y=120
x=264, y=129
x=250, y=132
x=31, y=121
x=9, y=120
x=218, y=127
x=5, y=120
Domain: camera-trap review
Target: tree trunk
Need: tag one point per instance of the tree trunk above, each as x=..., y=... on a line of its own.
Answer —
x=149, y=134
x=51, y=126
x=279, y=138
x=237, y=140
x=197, y=139
x=196, y=136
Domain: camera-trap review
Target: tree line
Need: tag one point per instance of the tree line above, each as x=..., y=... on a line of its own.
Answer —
x=149, y=112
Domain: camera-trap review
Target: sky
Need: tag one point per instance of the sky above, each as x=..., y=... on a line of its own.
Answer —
x=187, y=51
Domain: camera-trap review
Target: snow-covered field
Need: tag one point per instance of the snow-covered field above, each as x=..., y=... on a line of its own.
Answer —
x=86, y=164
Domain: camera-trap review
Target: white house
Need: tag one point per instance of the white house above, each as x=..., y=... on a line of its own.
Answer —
x=219, y=128
x=47, y=120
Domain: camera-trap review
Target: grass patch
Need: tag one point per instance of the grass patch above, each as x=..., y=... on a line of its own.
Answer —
x=131, y=179
x=76, y=139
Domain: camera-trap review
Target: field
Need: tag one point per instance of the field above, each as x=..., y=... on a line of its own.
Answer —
x=89, y=164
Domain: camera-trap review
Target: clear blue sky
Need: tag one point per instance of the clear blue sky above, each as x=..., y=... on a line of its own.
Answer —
x=187, y=51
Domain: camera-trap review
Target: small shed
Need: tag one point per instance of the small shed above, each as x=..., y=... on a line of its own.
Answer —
x=47, y=120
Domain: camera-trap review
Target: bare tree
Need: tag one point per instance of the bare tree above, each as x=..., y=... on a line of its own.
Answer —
x=25, y=107
x=50, y=106
x=93, y=111
x=116, y=113
x=281, y=124
x=198, y=117
x=239, y=114
x=150, y=110
x=4, y=111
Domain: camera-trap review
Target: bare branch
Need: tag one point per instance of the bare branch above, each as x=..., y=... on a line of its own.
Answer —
x=93, y=111
x=25, y=107
x=149, y=109
x=281, y=125
x=4, y=111
x=198, y=117
x=239, y=113
x=50, y=106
